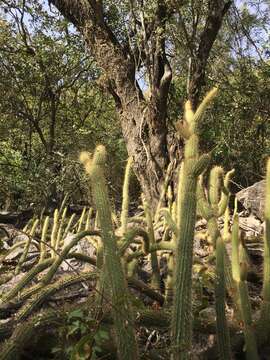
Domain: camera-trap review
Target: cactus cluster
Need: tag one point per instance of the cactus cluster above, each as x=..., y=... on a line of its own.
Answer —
x=120, y=241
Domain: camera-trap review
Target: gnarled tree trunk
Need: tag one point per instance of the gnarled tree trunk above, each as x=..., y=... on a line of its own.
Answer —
x=143, y=121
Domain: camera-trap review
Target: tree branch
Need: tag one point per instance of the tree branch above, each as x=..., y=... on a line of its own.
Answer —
x=216, y=12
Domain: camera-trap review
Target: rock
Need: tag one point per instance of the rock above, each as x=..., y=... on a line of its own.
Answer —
x=253, y=197
x=251, y=225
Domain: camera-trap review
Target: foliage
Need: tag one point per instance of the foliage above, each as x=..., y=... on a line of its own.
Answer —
x=50, y=108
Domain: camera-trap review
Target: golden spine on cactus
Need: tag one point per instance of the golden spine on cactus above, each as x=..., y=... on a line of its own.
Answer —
x=191, y=168
x=239, y=271
x=125, y=197
x=121, y=308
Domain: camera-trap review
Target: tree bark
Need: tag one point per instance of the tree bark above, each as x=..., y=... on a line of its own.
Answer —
x=143, y=121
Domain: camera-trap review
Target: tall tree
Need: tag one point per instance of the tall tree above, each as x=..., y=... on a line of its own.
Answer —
x=133, y=39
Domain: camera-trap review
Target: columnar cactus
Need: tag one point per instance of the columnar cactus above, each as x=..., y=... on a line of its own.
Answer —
x=54, y=231
x=121, y=309
x=43, y=249
x=239, y=271
x=125, y=200
x=27, y=246
x=211, y=209
x=38, y=299
x=264, y=323
x=191, y=168
x=155, y=282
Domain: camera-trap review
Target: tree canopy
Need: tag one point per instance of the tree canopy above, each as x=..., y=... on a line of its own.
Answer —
x=118, y=73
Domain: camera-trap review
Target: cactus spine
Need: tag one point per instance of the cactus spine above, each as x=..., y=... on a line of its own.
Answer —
x=191, y=168
x=121, y=309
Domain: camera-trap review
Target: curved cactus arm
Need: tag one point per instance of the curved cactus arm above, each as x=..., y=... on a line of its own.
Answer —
x=83, y=258
x=215, y=185
x=129, y=237
x=225, y=195
x=63, y=205
x=200, y=165
x=204, y=208
x=161, y=246
x=201, y=109
x=61, y=257
x=11, y=249
x=27, y=278
x=191, y=168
